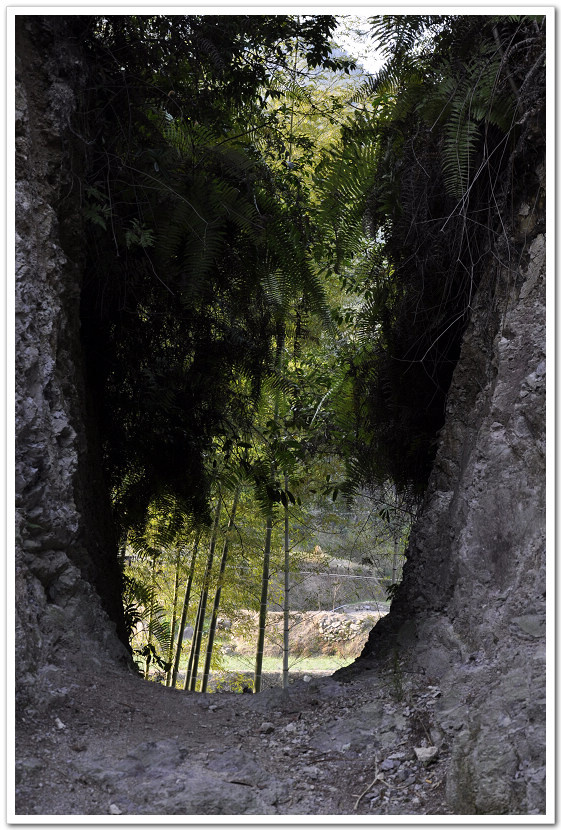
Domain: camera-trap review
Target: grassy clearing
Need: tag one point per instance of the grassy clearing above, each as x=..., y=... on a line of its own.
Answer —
x=314, y=647
x=245, y=663
x=274, y=664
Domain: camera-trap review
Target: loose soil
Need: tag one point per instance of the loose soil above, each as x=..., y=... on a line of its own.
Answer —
x=110, y=743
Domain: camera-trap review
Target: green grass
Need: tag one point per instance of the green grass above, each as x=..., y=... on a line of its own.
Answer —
x=233, y=663
x=238, y=663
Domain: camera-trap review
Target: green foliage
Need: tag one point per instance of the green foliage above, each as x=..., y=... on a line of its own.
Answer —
x=440, y=122
x=141, y=607
x=237, y=682
x=150, y=655
x=198, y=238
x=96, y=208
x=344, y=178
x=278, y=277
x=138, y=234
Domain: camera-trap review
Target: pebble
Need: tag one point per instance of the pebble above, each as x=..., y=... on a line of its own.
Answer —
x=426, y=754
x=267, y=728
x=114, y=810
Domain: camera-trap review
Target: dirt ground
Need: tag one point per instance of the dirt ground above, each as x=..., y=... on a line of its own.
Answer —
x=110, y=743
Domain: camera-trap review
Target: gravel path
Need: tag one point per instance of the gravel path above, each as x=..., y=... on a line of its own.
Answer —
x=111, y=743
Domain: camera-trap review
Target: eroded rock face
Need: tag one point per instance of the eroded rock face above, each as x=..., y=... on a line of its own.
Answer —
x=57, y=476
x=471, y=611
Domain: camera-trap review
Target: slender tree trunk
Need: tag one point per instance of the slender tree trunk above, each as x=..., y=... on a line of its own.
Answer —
x=216, y=606
x=198, y=634
x=184, y=612
x=123, y=546
x=187, y=684
x=267, y=550
x=173, y=615
x=263, y=602
x=151, y=613
x=286, y=608
x=395, y=560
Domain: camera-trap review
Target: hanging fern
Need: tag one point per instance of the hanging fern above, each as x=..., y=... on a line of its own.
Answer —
x=441, y=128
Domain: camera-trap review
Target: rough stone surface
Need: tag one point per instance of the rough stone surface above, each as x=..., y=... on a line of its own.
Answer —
x=470, y=614
x=57, y=538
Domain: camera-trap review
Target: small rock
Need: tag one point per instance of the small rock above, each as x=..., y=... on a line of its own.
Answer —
x=531, y=624
x=306, y=678
x=114, y=810
x=290, y=727
x=387, y=764
x=59, y=723
x=266, y=728
x=426, y=754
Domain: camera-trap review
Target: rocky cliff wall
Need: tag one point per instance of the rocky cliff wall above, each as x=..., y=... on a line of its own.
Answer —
x=470, y=613
x=62, y=549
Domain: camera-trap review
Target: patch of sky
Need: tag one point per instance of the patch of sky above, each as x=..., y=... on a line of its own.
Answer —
x=353, y=38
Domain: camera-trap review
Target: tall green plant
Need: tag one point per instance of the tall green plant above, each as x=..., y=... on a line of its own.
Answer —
x=192, y=670
x=173, y=615
x=220, y=581
x=143, y=613
x=185, y=610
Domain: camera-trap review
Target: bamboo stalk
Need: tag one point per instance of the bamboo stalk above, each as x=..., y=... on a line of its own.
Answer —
x=198, y=635
x=395, y=560
x=267, y=550
x=216, y=606
x=173, y=616
x=286, y=603
x=151, y=614
x=184, y=612
x=187, y=684
x=263, y=602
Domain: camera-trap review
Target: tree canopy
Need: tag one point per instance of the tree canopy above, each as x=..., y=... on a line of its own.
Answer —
x=282, y=251
x=198, y=237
